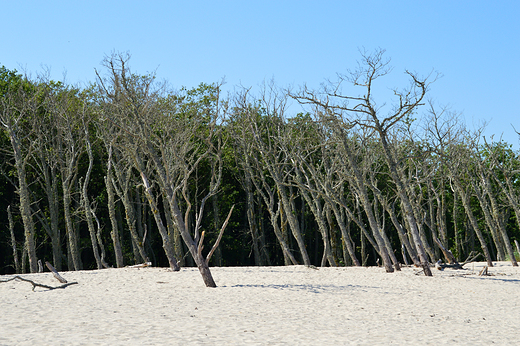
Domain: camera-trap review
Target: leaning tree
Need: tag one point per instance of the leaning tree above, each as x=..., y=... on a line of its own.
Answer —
x=174, y=133
x=363, y=111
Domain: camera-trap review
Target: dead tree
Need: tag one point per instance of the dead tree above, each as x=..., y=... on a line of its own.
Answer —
x=246, y=158
x=16, y=106
x=13, y=241
x=448, y=141
x=485, y=167
x=266, y=140
x=45, y=164
x=175, y=133
x=363, y=111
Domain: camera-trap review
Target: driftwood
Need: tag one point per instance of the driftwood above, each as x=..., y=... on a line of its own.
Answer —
x=484, y=271
x=447, y=253
x=142, y=265
x=35, y=284
x=55, y=273
x=472, y=256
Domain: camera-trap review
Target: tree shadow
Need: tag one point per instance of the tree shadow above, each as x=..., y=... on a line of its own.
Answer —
x=317, y=289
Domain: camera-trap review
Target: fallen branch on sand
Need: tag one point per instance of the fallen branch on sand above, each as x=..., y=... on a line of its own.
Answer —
x=484, y=271
x=35, y=284
x=142, y=265
x=456, y=265
x=55, y=273
x=472, y=257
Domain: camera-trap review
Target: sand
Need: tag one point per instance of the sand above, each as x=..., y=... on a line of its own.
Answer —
x=292, y=305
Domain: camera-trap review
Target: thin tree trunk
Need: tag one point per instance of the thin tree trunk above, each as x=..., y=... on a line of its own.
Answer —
x=91, y=228
x=290, y=215
x=405, y=201
x=347, y=240
x=200, y=261
x=498, y=221
x=72, y=235
x=251, y=220
x=490, y=222
x=114, y=232
x=317, y=210
x=50, y=187
x=167, y=244
x=13, y=241
x=25, y=203
x=473, y=221
x=216, y=224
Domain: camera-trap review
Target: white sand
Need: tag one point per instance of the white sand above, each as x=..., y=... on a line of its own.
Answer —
x=265, y=306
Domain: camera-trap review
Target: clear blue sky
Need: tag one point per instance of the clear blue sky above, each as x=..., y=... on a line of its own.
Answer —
x=474, y=44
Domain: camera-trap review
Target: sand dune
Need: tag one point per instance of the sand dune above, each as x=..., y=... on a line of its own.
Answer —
x=266, y=306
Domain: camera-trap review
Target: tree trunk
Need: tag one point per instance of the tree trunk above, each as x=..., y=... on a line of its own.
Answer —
x=50, y=187
x=290, y=214
x=405, y=201
x=251, y=219
x=72, y=235
x=216, y=224
x=114, y=232
x=200, y=261
x=167, y=244
x=347, y=240
x=473, y=221
x=25, y=203
x=17, y=267
x=317, y=210
x=498, y=221
x=490, y=222
x=91, y=228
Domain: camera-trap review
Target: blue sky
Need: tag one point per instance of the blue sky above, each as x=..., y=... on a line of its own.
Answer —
x=475, y=45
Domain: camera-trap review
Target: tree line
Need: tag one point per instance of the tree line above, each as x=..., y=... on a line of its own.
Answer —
x=128, y=170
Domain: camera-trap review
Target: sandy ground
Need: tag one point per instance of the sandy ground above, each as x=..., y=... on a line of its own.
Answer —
x=265, y=306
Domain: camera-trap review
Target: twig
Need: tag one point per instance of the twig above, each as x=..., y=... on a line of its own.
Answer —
x=35, y=284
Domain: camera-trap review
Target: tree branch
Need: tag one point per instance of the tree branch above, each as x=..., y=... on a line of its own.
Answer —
x=35, y=284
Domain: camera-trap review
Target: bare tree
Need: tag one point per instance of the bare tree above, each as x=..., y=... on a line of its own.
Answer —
x=244, y=156
x=16, y=106
x=363, y=111
x=267, y=140
x=13, y=241
x=111, y=203
x=447, y=139
x=46, y=167
x=485, y=166
x=89, y=213
x=251, y=165
x=69, y=148
x=176, y=134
